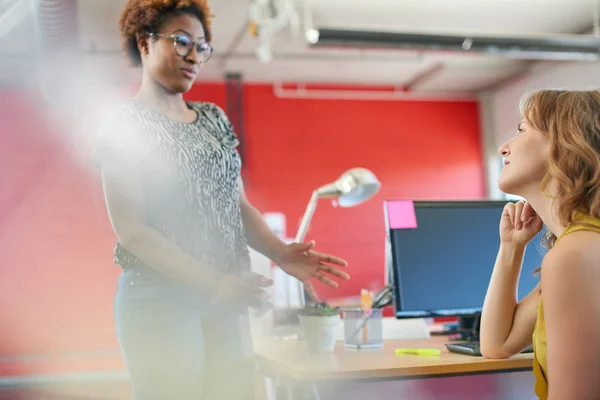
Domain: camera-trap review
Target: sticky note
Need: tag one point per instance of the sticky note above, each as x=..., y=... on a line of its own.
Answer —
x=401, y=214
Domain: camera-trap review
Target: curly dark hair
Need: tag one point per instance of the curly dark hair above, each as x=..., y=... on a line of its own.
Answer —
x=142, y=16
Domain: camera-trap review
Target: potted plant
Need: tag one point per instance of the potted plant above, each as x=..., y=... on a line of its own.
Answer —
x=320, y=322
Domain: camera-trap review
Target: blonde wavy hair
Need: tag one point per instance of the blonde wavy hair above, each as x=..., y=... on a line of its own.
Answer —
x=571, y=121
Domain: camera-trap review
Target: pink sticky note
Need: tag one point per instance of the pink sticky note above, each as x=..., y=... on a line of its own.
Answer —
x=401, y=214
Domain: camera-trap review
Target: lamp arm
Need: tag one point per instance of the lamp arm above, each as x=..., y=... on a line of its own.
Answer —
x=304, y=224
x=308, y=214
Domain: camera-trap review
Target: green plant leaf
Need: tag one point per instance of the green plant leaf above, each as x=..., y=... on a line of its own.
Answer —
x=321, y=309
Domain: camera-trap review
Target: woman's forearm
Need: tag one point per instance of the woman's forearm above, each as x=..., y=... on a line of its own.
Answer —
x=124, y=199
x=501, y=301
x=158, y=252
x=260, y=236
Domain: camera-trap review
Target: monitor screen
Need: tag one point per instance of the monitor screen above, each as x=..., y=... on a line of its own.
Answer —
x=441, y=256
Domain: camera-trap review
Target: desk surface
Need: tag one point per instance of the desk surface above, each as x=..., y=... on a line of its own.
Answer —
x=292, y=360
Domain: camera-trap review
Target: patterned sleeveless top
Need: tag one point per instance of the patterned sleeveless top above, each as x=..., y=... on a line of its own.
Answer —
x=540, y=362
x=189, y=174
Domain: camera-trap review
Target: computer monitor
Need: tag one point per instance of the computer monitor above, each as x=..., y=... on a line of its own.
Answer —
x=441, y=255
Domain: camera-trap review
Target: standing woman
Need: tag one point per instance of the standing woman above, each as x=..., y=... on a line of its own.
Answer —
x=554, y=163
x=171, y=178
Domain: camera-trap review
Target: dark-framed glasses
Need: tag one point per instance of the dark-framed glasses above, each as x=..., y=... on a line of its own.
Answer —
x=183, y=46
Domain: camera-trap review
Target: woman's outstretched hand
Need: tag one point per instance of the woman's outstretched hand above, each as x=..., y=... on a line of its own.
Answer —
x=302, y=262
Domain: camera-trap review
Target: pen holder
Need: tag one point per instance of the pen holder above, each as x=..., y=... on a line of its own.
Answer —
x=363, y=328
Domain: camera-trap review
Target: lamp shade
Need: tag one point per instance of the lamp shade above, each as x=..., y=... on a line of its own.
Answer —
x=352, y=188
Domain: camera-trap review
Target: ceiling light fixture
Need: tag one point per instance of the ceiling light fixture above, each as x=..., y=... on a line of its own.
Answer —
x=566, y=47
x=269, y=17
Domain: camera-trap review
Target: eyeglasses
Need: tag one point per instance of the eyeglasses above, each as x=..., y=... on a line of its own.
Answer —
x=183, y=46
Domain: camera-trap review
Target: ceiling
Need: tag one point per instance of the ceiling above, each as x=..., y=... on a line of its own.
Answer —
x=294, y=61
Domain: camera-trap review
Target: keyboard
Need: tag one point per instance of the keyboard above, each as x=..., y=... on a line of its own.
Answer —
x=471, y=348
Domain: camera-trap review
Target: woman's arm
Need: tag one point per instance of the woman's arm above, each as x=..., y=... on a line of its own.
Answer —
x=571, y=299
x=260, y=236
x=296, y=259
x=124, y=200
x=507, y=326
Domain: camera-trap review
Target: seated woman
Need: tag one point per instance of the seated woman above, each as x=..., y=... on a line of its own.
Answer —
x=554, y=164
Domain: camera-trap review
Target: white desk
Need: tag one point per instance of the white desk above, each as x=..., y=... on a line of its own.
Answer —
x=290, y=366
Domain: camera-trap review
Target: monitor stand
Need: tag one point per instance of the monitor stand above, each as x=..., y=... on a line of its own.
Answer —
x=468, y=327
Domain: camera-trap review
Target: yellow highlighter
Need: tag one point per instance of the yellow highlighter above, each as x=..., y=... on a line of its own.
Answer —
x=419, y=352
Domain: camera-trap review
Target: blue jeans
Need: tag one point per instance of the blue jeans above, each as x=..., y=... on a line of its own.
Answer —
x=176, y=345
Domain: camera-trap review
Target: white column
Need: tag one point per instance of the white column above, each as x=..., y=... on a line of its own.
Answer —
x=492, y=162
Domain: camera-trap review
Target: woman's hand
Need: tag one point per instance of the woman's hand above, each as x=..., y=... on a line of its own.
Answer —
x=519, y=224
x=245, y=289
x=303, y=263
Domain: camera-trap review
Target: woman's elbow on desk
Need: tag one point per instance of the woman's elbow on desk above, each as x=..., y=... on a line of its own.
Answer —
x=496, y=352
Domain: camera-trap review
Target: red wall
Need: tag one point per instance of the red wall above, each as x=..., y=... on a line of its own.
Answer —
x=57, y=280
x=418, y=150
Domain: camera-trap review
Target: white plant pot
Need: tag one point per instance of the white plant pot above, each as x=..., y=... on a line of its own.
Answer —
x=320, y=332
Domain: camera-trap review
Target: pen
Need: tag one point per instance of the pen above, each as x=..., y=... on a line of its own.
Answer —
x=419, y=352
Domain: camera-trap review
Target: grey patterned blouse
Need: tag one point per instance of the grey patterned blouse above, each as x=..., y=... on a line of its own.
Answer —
x=189, y=174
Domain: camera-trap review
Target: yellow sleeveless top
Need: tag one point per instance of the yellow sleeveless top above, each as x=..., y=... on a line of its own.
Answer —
x=540, y=366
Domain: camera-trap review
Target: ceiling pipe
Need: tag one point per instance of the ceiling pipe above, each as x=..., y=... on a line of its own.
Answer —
x=424, y=76
x=398, y=94
x=566, y=47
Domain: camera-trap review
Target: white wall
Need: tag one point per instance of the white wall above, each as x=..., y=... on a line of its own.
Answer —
x=505, y=116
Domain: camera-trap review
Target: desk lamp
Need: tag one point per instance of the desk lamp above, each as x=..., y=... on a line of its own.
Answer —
x=355, y=186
